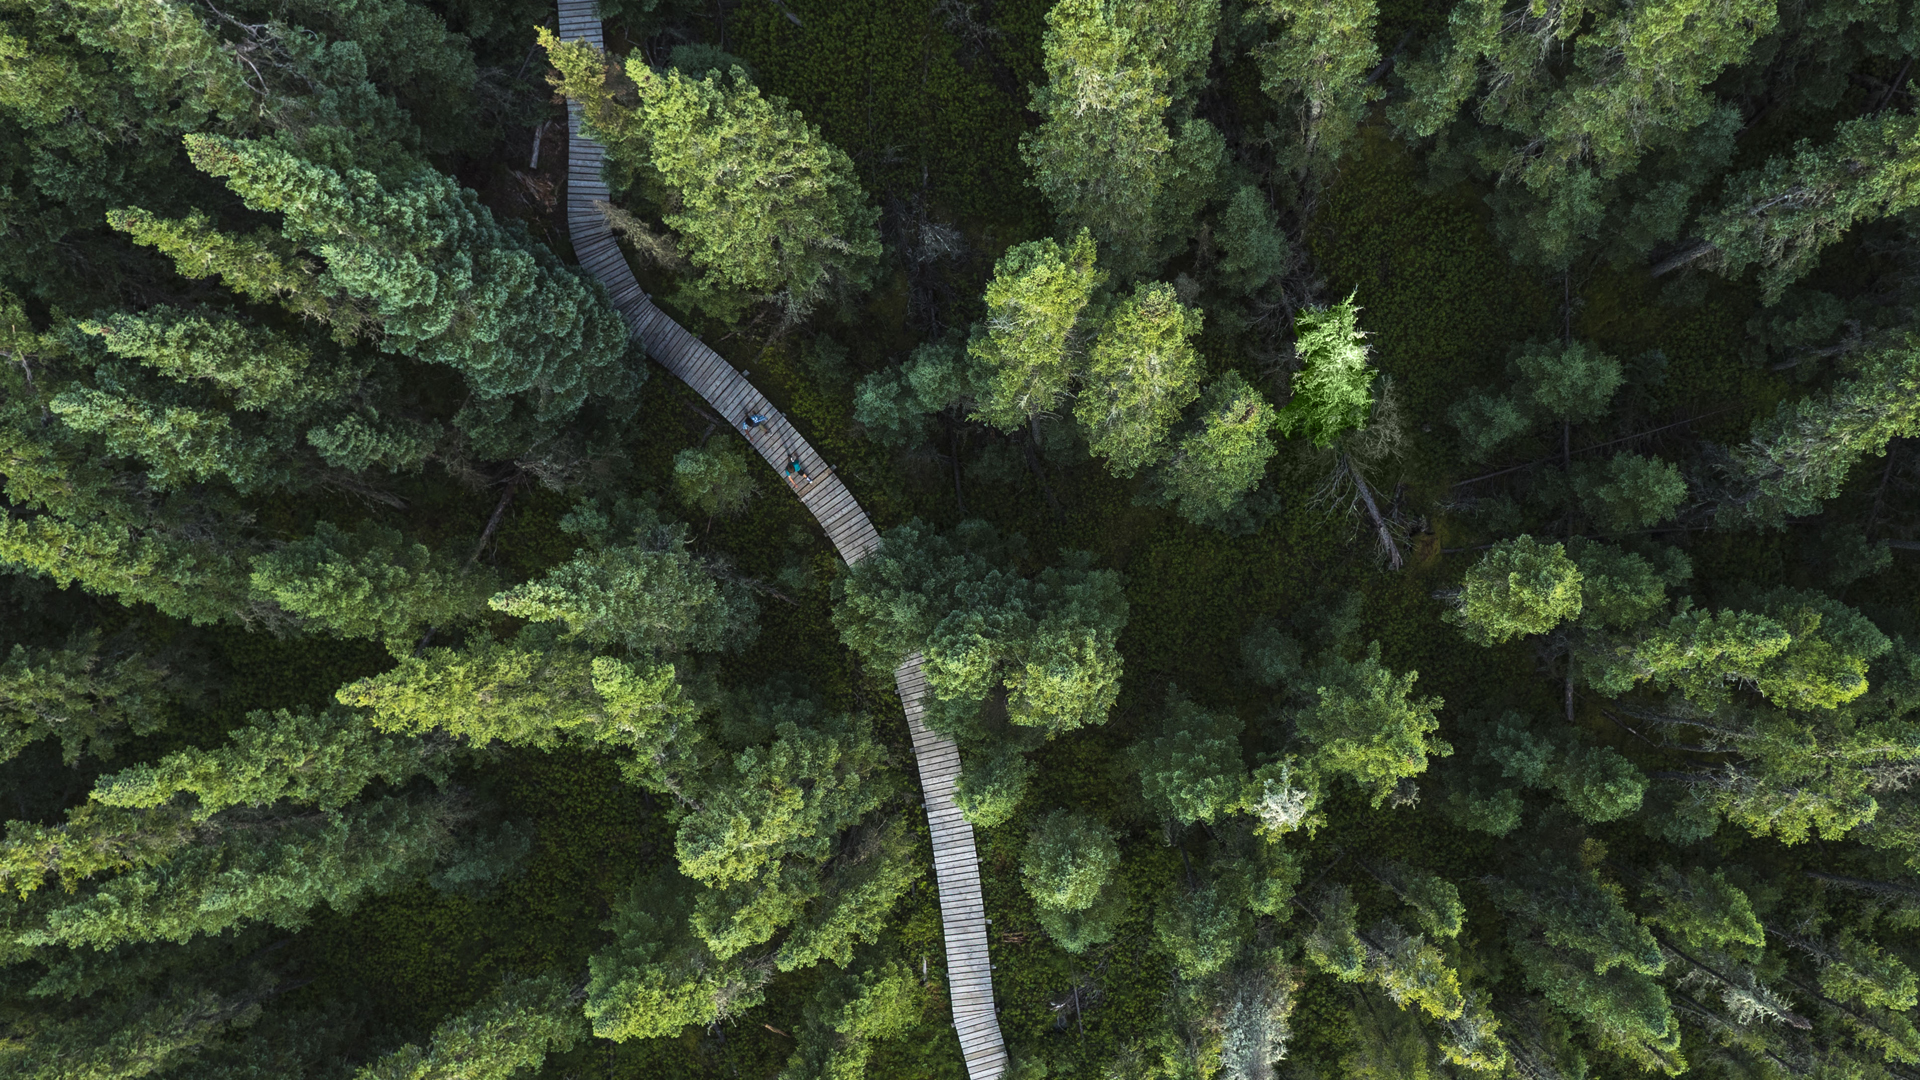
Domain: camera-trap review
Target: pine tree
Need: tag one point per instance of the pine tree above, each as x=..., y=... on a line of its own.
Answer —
x=532, y=692
x=758, y=201
x=1215, y=465
x=1117, y=152
x=1800, y=456
x=1565, y=138
x=1364, y=724
x=850, y=1011
x=1025, y=352
x=760, y=838
x=1578, y=945
x=1068, y=866
x=369, y=583
x=1631, y=492
x=322, y=760
x=655, y=977
x=1518, y=588
x=1784, y=213
x=510, y=1030
x=713, y=479
x=1317, y=67
x=1141, y=371
x=1192, y=770
x=86, y=695
x=1255, y=251
x=133, y=1036
x=649, y=594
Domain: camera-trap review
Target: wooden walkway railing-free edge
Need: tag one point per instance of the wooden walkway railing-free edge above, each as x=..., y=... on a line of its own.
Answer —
x=956, y=864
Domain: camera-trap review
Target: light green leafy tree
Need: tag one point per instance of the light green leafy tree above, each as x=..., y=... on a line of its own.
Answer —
x=533, y=692
x=1363, y=723
x=1332, y=392
x=648, y=594
x=850, y=1011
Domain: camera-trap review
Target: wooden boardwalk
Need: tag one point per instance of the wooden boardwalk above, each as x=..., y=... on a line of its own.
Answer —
x=956, y=865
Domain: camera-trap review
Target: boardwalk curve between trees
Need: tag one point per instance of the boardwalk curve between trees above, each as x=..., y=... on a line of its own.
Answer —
x=956, y=864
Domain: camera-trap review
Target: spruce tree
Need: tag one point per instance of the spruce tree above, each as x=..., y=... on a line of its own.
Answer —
x=1141, y=371
x=510, y=1030
x=1797, y=458
x=1068, y=866
x=1781, y=215
x=1317, y=66
x=1222, y=457
x=1118, y=152
x=763, y=206
x=446, y=282
x=1025, y=352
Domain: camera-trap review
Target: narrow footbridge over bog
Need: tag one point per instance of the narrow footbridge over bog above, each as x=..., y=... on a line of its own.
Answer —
x=956, y=865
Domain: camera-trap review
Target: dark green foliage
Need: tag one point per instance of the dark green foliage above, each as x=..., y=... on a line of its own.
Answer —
x=289, y=798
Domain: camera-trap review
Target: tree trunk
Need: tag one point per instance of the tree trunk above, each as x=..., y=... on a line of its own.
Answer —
x=1693, y=252
x=1033, y=462
x=1379, y=523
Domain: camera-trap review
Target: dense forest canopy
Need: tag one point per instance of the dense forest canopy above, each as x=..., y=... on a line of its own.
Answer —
x=1410, y=512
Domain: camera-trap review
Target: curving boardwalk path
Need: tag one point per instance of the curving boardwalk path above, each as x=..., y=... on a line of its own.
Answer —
x=956, y=866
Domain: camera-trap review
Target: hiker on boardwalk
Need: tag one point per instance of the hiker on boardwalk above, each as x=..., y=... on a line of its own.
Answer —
x=797, y=473
x=752, y=421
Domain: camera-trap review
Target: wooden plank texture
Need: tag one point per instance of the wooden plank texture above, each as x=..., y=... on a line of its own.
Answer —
x=956, y=862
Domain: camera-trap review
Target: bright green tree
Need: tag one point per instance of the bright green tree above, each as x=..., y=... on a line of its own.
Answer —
x=1363, y=723
x=647, y=594
x=1332, y=392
